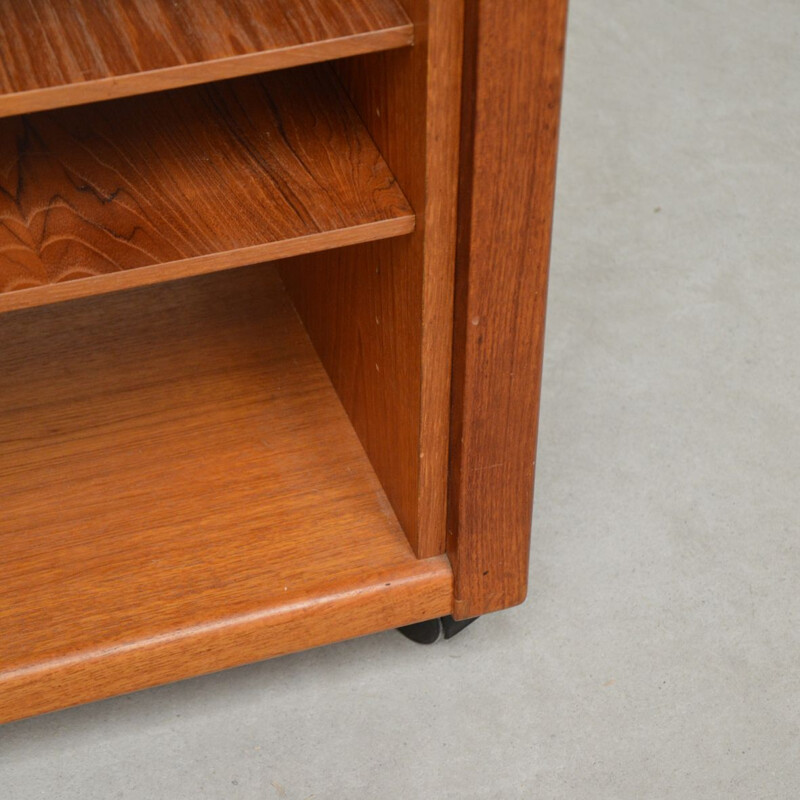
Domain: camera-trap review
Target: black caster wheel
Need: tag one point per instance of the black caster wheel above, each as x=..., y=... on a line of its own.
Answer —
x=431, y=630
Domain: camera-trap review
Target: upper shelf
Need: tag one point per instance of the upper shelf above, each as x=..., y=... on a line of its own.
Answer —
x=178, y=183
x=57, y=54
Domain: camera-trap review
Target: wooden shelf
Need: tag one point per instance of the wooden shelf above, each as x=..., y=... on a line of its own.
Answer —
x=179, y=183
x=57, y=54
x=186, y=482
x=182, y=492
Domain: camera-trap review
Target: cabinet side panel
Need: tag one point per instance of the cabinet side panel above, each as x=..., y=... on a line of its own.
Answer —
x=380, y=315
x=513, y=57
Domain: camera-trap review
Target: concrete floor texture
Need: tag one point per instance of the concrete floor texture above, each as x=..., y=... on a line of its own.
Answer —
x=658, y=654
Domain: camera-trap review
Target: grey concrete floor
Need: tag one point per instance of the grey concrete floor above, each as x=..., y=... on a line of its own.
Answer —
x=658, y=653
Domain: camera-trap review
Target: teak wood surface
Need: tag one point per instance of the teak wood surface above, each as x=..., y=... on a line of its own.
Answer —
x=183, y=492
x=63, y=53
x=380, y=315
x=512, y=87
x=183, y=182
x=182, y=488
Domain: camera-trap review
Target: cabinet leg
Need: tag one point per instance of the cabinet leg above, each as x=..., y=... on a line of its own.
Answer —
x=431, y=630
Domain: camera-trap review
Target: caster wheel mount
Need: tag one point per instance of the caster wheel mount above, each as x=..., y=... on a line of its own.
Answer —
x=431, y=630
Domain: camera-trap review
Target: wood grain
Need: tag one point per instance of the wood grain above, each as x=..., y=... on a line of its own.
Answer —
x=183, y=492
x=512, y=86
x=184, y=182
x=380, y=315
x=54, y=53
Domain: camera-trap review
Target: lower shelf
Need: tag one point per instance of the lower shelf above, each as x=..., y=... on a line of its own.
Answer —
x=183, y=492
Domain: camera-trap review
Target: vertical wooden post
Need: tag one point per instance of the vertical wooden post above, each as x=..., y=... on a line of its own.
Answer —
x=513, y=59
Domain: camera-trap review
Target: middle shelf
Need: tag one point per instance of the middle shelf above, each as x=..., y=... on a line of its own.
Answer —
x=136, y=191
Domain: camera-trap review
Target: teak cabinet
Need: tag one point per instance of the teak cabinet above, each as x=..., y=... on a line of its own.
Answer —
x=219, y=465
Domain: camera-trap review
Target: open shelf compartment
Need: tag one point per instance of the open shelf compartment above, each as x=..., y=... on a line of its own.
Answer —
x=183, y=492
x=57, y=54
x=152, y=188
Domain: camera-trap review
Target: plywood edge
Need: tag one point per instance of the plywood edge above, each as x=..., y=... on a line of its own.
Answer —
x=407, y=593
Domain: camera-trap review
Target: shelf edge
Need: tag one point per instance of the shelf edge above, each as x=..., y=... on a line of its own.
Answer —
x=200, y=265
x=412, y=592
x=157, y=80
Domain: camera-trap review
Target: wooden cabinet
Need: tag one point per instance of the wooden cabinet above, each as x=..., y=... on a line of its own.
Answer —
x=273, y=280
